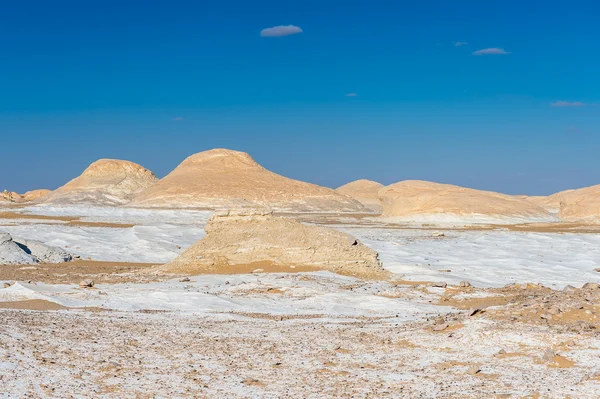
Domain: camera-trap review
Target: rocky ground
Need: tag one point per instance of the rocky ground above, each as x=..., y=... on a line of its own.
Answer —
x=528, y=344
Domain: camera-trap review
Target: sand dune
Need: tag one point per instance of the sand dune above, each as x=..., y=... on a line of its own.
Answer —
x=104, y=182
x=423, y=200
x=223, y=178
x=365, y=192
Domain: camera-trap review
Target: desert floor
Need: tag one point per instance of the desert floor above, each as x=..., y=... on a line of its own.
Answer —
x=517, y=332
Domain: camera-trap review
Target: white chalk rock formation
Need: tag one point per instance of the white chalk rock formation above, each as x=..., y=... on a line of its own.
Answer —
x=365, y=192
x=222, y=179
x=414, y=200
x=239, y=242
x=24, y=252
x=104, y=182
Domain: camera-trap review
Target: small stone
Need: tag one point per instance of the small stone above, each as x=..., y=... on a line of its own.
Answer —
x=464, y=284
x=445, y=271
x=440, y=327
x=569, y=288
x=474, y=311
x=258, y=271
x=185, y=280
x=6, y=285
x=545, y=316
x=501, y=352
x=438, y=234
x=473, y=370
x=86, y=284
x=440, y=285
x=591, y=286
x=548, y=355
x=554, y=310
x=597, y=269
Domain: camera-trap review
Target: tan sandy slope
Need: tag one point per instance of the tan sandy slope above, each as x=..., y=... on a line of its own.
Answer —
x=238, y=242
x=365, y=192
x=223, y=178
x=582, y=204
x=104, y=182
x=420, y=198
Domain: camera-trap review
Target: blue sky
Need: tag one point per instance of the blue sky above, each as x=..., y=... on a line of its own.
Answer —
x=155, y=81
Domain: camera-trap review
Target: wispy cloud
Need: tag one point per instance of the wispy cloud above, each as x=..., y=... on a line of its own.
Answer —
x=281, y=30
x=351, y=95
x=458, y=44
x=178, y=118
x=567, y=104
x=491, y=51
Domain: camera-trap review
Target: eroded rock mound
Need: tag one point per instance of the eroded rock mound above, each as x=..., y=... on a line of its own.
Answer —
x=365, y=192
x=220, y=179
x=11, y=196
x=413, y=199
x=29, y=252
x=240, y=242
x=104, y=182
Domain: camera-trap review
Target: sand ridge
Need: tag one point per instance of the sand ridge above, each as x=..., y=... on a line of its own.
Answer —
x=417, y=198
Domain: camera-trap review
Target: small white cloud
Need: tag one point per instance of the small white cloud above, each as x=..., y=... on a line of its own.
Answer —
x=351, y=95
x=491, y=51
x=178, y=118
x=567, y=104
x=281, y=30
x=458, y=44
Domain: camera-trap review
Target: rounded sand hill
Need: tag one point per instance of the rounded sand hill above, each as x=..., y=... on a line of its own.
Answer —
x=426, y=201
x=365, y=192
x=104, y=182
x=231, y=179
x=238, y=242
x=35, y=194
x=580, y=205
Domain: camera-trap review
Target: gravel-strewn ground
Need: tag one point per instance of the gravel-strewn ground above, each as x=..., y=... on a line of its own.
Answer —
x=108, y=354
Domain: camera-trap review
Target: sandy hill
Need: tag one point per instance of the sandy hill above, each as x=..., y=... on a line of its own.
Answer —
x=104, y=182
x=582, y=204
x=238, y=242
x=551, y=203
x=365, y=192
x=231, y=179
x=423, y=200
x=35, y=194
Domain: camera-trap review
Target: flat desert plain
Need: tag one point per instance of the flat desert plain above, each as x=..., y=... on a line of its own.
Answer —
x=486, y=311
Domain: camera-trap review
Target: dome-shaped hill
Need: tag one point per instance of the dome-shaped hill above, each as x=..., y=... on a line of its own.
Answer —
x=223, y=178
x=413, y=199
x=104, y=182
x=365, y=192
